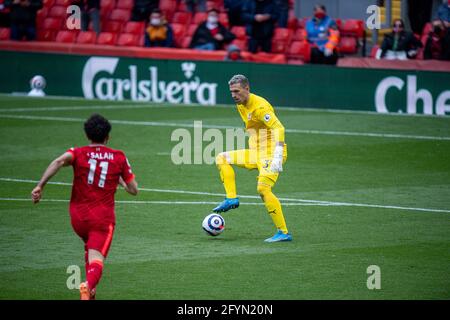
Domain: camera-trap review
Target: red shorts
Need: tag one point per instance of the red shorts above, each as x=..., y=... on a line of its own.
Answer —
x=95, y=236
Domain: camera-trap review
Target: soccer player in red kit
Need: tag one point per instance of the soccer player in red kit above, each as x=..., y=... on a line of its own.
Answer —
x=97, y=172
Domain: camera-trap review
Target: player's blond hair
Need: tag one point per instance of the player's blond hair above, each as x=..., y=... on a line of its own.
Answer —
x=239, y=79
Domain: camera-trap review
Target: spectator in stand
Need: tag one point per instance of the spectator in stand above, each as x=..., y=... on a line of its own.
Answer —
x=158, y=33
x=399, y=44
x=142, y=9
x=323, y=35
x=194, y=6
x=233, y=53
x=260, y=17
x=437, y=45
x=211, y=34
x=4, y=15
x=283, y=8
x=443, y=13
x=90, y=11
x=23, y=18
x=234, y=12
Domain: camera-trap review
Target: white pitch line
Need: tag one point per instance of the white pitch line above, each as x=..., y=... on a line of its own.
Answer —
x=290, y=201
x=92, y=107
x=191, y=125
x=167, y=202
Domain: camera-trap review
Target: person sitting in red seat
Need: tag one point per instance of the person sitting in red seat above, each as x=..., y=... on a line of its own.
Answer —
x=211, y=34
x=437, y=45
x=158, y=33
x=400, y=44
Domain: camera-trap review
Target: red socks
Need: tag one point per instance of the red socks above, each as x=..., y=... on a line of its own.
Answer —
x=94, y=273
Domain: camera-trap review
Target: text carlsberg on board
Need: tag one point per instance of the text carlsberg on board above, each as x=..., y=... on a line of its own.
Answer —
x=148, y=89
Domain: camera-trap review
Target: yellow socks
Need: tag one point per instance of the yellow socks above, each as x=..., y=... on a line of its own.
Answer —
x=227, y=176
x=273, y=206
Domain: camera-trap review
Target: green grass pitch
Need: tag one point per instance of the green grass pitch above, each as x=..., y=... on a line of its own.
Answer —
x=159, y=250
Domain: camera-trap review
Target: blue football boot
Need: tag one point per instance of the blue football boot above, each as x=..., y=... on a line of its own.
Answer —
x=279, y=236
x=227, y=204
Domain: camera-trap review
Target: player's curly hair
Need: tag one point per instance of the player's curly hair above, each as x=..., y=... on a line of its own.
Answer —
x=97, y=128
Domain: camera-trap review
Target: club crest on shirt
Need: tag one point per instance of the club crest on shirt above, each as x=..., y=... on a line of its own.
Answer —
x=267, y=117
x=249, y=116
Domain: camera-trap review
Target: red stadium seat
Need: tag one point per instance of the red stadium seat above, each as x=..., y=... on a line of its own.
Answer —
x=86, y=37
x=191, y=30
x=106, y=6
x=182, y=18
x=112, y=26
x=178, y=33
x=125, y=4
x=40, y=16
x=299, y=35
x=223, y=19
x=5, y=33
x=168, y=7
x=46, y=35
x=57, y=12
x=200, y=17
x=374, y=50
x=128, y=40
x=352, y=27
x=299, y=50
x=181, y=7
x=66, y=36
x=107, y=38
x=134, y=27
x=279, y=46
x=241, y=44
x=282, y=34
x=239, y=32
x=348, y=45
x=48, y=3
x=121, y=15
x=427, y=28
x=186, y=42
x=64, y=3
x=52, y=24
x=292, y=22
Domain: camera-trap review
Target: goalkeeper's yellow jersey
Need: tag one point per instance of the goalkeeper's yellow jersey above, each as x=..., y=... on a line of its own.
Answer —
x=262, y=124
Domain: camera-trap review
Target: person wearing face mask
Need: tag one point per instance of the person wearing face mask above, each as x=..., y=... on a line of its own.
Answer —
x=323, y=35
x=437, y=45
x=211, y=34
x=400, y=44
x=260, y=17
x=158, y=33
x=233, y=53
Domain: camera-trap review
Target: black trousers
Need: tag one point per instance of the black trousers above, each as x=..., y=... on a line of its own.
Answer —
x=265, y=44
x=318, y=57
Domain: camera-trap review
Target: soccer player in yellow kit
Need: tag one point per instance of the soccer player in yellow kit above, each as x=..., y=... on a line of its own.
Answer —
x=267, y=152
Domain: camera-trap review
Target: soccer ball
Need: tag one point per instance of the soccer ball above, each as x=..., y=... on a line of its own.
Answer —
x=213, y=224
x=38, y=82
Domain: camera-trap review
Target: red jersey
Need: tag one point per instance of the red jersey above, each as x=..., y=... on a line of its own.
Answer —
x=97, y=170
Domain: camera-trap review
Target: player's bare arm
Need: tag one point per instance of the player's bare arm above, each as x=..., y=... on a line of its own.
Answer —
x=131, y=187
x=62, y=161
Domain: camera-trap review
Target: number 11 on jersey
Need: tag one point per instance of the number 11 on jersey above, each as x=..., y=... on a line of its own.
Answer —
x=93, y=166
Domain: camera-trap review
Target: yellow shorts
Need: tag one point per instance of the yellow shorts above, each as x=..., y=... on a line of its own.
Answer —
x=249, y=159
